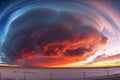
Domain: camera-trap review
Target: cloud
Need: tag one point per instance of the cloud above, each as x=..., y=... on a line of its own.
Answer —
x=107, y=58
x=45, y=37
x=108, y=15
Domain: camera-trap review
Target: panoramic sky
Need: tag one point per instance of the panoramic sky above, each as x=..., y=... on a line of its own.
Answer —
x=60, y=33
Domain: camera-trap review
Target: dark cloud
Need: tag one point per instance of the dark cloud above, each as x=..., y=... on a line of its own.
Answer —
x=78, y=51
x=58, y=36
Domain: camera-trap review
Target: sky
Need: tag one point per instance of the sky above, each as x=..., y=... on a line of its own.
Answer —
x=60, y=33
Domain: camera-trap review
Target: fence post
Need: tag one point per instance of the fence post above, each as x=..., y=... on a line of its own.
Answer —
x=107, y=74
x=51, y=76
x=0, y=76
x=24, y=76
x=84, y=75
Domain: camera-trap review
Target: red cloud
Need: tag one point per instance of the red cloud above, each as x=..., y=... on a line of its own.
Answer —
x=65, y=40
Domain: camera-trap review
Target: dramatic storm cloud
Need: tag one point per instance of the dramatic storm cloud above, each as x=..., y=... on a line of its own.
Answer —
x=53, y=35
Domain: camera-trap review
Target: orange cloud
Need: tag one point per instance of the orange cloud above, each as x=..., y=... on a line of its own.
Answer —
x=65, y=40
x=62, y=46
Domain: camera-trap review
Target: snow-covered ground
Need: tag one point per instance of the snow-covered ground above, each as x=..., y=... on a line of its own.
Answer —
x=56, y=74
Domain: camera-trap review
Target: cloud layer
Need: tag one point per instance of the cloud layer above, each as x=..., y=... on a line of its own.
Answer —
x=47, y=37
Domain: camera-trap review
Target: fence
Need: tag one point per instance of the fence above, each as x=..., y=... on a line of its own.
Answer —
x=59, y=74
